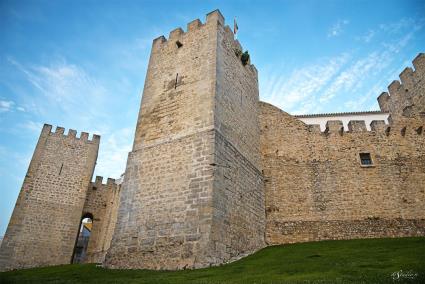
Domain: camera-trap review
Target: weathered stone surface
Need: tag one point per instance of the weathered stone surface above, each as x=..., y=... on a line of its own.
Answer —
x=316, y=187
x=214, y=174
x=44, y=224
x=102, y=203
x=406, y=97
x=192, y=195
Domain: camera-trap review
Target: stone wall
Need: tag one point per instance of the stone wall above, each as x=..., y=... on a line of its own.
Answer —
x=164, y=217
x=44, y=224
x=178, y=207
x=236, y=100
x=102, y=203
x=179, y=86
x=406, y=98
x=238, y=199
x=214, y=174
x=165, y=207
x=316, y=187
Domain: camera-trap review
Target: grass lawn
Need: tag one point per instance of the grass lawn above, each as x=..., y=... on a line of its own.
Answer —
x=351, y=261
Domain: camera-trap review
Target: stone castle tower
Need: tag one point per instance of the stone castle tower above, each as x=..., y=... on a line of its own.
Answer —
x=56, y=194
x=215, y=174
x=193, y=190
x=49, y=206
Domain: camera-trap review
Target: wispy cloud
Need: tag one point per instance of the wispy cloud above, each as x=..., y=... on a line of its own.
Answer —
x=367, y=37
x=294, y=93
x=360, y=103
x=63, y=86
x=31, y=126
x=367, y=100
x=67, y=93
x=351, y=78
x=393, y=28
x=337, y=28
x=399, y=26
x=6, y=106
x=350, y=81
x=375, y=64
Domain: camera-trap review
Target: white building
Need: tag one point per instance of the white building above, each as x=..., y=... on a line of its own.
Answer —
x=345, y=117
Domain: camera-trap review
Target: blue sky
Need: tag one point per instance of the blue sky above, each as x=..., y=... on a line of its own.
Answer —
x=82, y=64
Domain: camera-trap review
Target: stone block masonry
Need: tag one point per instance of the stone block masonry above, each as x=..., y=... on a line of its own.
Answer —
x=102, y=203
x=406, y=98
x=316, y=186
x=165, y=209
x=192, y=194
x=215, y=174
x=44, y=224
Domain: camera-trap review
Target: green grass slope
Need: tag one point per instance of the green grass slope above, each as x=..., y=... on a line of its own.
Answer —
x=400, y=260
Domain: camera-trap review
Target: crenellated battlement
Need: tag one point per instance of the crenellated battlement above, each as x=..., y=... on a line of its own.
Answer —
x=403, y=94
x=200, y=107
x=99, y=181
x=213, y=18
x=177, y=37
x=72, y=134
x=378, y=125
x=359, y=126
x=56, y=184
x=334, y=126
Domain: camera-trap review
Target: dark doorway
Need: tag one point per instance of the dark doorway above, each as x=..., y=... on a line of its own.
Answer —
x=80, y=250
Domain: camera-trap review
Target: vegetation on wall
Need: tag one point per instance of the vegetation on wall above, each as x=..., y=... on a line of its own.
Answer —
x=245, y=58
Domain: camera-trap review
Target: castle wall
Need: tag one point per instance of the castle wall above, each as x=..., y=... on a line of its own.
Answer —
x=165, y=214
x=44, y=224
x=405, y=99
x=322, y=119
x=164, y=217
x=179, y=86
x=238, y=197
x=214, y=174
x=236, y=100
x=316, y=187
x=178, y=207
x=102, y=203
x=238, y=201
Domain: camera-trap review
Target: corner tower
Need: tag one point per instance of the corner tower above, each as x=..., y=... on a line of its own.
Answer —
x=193, y=190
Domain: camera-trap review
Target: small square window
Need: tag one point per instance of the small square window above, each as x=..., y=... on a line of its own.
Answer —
x=365, y=159
x=179, y=44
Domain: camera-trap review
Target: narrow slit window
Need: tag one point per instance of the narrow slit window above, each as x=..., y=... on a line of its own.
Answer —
x=175, y=84
x=60, y=171
x=179, y=44
x=365, y=159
